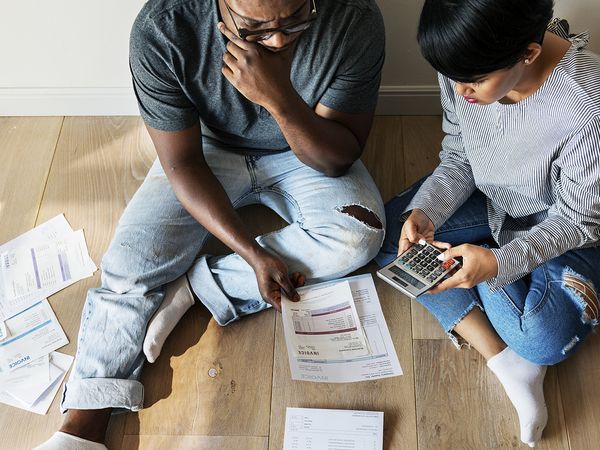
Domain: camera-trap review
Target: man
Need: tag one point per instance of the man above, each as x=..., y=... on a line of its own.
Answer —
x=246, y=101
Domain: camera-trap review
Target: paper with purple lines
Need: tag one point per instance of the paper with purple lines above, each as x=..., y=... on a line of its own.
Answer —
x=324, y=323
x=381, y=362
x=40, y=263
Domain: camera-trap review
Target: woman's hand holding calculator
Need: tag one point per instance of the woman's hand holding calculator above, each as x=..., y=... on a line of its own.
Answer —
x=417, y=227
x=478, y=263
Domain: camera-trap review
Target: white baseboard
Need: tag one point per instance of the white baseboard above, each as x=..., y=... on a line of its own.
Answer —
x=120, y=101
x=83, y=101
x=409, y=101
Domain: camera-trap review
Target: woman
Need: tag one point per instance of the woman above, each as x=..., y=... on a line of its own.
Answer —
x=516, y=196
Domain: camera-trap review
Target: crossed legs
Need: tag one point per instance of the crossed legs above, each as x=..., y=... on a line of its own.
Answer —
x=521, y=328
x=157, y=241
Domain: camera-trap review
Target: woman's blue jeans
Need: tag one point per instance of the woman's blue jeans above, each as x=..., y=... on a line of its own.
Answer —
x=540, y=316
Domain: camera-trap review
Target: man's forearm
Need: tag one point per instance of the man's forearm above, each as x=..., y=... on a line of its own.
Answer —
x=323, y=144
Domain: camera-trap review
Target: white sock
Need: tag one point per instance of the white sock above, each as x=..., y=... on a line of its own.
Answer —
x=64, y=441
x=523, y=382
x=178, y=299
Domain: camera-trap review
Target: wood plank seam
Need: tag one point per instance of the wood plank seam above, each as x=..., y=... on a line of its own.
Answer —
x=47, y=174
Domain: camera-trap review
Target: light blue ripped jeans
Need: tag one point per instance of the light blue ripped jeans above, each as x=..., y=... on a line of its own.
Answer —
x=157, y=241
x=539, y=316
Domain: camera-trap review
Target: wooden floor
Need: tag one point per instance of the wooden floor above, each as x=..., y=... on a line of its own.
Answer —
x=88, y=168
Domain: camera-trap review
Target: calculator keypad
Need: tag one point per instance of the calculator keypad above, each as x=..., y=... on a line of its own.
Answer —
x=421, y=260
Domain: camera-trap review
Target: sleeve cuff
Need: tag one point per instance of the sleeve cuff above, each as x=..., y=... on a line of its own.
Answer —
x=509, y=268
x=436, y=216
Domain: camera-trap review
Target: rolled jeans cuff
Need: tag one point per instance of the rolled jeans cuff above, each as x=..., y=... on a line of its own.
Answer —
x=226, y=304
x=101, y=393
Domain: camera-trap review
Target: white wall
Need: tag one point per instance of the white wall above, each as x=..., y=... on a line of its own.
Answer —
x=69, y=57
x=409, y=85
x=66, y=57
x=582, y=15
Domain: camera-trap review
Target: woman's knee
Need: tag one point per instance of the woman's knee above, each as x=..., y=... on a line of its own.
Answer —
x=583, y=294
x=556, y=343
x=547, y=353
x=558, y=322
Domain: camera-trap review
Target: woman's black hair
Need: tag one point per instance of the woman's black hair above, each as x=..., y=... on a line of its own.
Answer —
x=466, y=39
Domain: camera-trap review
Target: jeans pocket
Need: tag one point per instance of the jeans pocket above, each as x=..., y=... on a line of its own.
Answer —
x=539, y=292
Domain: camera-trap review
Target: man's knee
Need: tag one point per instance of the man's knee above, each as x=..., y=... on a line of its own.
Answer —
x=363, y=215
x=125, y=269
x=360, y=240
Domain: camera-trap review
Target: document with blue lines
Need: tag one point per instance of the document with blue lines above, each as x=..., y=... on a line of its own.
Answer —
x=32, y=333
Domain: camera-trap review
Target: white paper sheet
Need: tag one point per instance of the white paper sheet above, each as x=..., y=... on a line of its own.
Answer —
x=332, y=429
x=50, y=230
x=382, y=362
x=34, y=333
x=324, y=324
x=40, y=263
x=36, y=372
x=43, y=267
x=41, y=405
x=28, y=393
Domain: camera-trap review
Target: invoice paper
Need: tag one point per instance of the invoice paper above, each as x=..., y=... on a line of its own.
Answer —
x=332, y=429
x=40, y=263
x=33, y=333
x=59, y=364
x=382, y=360
x=35, y=373
x=324, y=324
x=28, y=393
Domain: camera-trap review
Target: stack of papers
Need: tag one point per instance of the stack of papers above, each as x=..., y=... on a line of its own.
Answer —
x=333, y=429
x=40, y=263
x=325, y=324
x=33, y=266
x=32, y=333
x=34, y=386
x=336, y=333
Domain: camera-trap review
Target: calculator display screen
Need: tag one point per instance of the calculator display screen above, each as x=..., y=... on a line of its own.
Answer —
x=406, y=277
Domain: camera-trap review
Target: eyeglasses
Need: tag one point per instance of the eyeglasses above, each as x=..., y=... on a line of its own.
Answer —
x=264, y=34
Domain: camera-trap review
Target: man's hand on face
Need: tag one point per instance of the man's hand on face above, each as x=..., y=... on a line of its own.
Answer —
x=272, y=277
x=260, y=75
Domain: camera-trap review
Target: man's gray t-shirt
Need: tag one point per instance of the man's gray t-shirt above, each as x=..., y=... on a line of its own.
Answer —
x=176, y=56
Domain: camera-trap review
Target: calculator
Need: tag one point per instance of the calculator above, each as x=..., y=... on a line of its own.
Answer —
x=417, y=269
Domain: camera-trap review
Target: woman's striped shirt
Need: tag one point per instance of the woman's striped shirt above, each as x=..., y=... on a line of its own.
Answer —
x=537, y=161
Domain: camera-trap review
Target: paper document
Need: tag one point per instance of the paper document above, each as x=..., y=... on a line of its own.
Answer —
x=47, y=231
x=332, y=429
x=44, y=266
x=37, y=396
x=36, y=372
x=380, y=362
x=40, y=263
x=324, y=324
x=32, y=334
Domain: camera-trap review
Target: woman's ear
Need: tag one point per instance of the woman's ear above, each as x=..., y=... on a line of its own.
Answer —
x=534, y=50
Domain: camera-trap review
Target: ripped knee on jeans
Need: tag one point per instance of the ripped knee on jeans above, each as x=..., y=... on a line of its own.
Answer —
x=364, y=215
x=586, y=295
